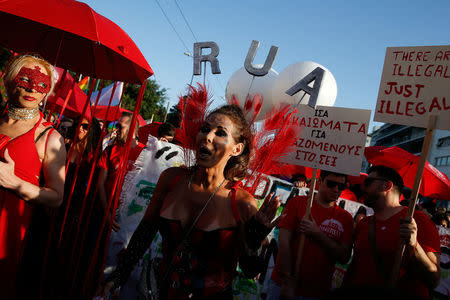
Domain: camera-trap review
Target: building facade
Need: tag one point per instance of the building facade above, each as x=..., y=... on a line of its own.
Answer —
x=440, y=151
x=406, y=137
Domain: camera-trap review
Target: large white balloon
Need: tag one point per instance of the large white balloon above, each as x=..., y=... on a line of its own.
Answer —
x=293, y=74
x=240, y=85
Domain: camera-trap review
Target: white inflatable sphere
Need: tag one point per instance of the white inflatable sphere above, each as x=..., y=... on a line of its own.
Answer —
x=241, y=84
x=293, y=74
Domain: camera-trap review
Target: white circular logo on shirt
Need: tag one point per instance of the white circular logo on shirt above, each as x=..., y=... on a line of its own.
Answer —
x=333, y=228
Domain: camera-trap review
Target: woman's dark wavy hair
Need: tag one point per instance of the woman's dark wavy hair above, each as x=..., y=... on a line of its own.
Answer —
x=92, y=136
x=236, y=166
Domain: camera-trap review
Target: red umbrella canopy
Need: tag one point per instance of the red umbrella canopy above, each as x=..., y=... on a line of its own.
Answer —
x=77, y=99
x=113, y=114
x=434, y=184
x=72, y=35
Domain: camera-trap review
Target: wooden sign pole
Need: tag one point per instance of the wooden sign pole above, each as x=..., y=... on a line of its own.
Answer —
x=415, y=192
x=307, y=213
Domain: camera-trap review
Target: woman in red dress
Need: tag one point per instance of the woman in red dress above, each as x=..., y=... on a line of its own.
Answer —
x=32, y=166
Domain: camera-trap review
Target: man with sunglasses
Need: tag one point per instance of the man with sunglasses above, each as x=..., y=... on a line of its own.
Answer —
x=377, y=239
x=111, y=159
x=328, y=240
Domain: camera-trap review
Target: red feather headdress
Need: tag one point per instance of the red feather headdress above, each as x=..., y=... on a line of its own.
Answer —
x=275, y=139
x=193, y=109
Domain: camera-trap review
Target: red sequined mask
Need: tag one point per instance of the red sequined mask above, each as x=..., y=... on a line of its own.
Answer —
x=33, y=79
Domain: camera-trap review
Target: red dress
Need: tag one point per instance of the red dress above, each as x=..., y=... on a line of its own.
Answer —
x=14, y=212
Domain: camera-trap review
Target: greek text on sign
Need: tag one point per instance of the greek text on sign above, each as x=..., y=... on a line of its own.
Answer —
x=333, y=138
x=415, y=83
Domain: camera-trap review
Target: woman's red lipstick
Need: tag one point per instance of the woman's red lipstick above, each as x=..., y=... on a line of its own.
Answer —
x=28, y=98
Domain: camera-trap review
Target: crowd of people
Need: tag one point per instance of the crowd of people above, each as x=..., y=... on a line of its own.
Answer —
x=58, y=198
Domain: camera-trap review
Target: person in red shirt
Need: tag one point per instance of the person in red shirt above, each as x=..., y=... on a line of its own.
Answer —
x=371, y=266
x=328, y=240
x=110, y=161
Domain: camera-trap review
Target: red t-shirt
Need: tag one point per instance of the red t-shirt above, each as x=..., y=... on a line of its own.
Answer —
x=110, y=160
x=316, y=267
x=363, y=268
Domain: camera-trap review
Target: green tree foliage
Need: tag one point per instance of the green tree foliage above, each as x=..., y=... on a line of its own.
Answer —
x=153, y=102
x=174, y=116
x=5, y=54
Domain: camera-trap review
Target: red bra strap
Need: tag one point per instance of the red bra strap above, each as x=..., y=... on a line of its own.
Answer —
x=236, y=215
x=175, y=180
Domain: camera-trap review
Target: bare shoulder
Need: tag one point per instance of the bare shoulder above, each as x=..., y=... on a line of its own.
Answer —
x=168, y=175
x=246, y=204
x=54, y=140
x=50, y=143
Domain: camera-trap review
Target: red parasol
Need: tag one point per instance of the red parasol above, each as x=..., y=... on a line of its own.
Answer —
x=77, y=99
x=113, y=115
x=434, y=184
x=72, y=35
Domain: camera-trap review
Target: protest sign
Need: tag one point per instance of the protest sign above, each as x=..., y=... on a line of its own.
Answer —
x=415, y=84
x=332, y=138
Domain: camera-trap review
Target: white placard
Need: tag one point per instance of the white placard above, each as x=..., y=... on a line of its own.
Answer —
x=332, y=138
x=415, y=83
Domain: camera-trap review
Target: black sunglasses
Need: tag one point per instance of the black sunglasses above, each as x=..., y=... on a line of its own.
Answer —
x=368, y=181
x=85, y=126
x=118, y=126
x=332, y=184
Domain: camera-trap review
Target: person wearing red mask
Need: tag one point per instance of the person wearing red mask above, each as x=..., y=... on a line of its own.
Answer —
x=32, y=166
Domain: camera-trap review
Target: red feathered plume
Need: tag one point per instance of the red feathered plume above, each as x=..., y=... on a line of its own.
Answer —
x=276, y=138
x=193, y=109
x=252, y=106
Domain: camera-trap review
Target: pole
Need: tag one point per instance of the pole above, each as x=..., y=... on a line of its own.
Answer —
x=167, y=111
x=307, y=214
x=415, y=192
x=204, y=73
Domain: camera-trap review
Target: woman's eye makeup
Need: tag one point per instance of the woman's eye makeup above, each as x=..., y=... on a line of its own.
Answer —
x=221, y=133
x=204, y=129
x=25, y=79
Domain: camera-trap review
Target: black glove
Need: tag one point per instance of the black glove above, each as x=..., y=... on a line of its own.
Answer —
x=255, y=233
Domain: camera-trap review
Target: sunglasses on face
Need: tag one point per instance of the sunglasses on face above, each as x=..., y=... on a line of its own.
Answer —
x=118, y=126
x=332, y=184
x=84, y=126
x=368, y=181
